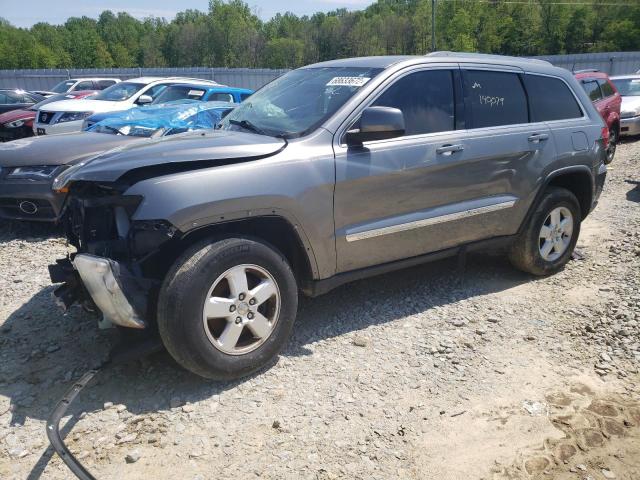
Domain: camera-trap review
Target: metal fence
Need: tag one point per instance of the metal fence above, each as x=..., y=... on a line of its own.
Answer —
x=44, y=79
x=614, y=63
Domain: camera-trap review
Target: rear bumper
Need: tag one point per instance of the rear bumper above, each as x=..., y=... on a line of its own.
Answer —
x=601, y=176
x=27, y=200
x=630, y=126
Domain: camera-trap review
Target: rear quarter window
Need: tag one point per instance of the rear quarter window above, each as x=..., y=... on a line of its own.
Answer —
x=607, y=89
x=550, y=99
x=495, y=98
x=593, y=89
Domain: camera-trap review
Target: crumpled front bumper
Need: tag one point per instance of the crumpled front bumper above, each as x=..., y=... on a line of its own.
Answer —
x=102, y=279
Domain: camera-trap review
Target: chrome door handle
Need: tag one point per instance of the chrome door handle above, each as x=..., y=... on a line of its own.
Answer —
x=538, y=137
x=449, y=149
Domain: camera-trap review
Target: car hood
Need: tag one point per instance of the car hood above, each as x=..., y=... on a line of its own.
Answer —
x=14, y=115
x=630, y=104
x=59, y=149
x=208, y=147
x=85, y=105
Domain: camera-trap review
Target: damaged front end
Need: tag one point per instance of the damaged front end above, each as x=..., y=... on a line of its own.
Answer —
x=115, y=269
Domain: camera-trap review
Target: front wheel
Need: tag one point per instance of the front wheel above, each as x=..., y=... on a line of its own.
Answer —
x=227, y=308
x=547, y=242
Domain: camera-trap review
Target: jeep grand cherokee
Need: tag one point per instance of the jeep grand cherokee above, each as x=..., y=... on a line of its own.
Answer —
x=332, y=172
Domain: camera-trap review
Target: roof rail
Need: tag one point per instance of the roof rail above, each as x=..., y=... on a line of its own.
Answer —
x=488, y=56
x=586, y=70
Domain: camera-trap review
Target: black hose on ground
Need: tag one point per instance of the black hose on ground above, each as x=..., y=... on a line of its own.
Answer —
x=121, y=354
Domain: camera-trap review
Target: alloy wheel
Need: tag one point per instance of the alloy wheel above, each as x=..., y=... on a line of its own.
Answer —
x=555, y=234
x=241, y=309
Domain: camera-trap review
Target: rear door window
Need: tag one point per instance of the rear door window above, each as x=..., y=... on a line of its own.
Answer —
x=550, y=99
x=495, y=98
x=84, y=85
x=593, y=90
x=426, y=100
x=102, y=84
x=606, y=88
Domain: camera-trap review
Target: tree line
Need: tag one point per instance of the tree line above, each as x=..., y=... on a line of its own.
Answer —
x=231, y=34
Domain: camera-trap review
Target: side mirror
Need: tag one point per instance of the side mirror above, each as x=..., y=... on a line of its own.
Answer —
x=144, y=99
x=377, y=123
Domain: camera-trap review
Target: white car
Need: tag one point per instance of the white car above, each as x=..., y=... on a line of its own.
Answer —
x=77, y=84
x=629, y=88
x=68, y=116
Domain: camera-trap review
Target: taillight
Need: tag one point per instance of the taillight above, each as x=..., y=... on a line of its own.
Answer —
x=605, y=136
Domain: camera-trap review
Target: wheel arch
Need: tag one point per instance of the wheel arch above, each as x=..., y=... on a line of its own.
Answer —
x=577, y=179
x=274, y=230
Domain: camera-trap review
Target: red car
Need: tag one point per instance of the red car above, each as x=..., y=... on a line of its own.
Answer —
x=607, y=100
x=19, y=123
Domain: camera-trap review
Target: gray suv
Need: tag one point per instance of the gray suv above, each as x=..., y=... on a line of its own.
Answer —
x=331, y=173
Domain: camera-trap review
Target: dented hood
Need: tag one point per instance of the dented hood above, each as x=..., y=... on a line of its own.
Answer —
x=208, y=148
x=59, y=149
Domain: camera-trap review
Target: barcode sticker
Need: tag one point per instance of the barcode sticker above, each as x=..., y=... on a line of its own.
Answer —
x=348, y=81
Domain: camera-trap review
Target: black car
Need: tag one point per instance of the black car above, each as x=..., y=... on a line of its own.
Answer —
x=16, y=99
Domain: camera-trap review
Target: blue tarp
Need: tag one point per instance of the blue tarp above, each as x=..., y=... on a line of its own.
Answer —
x=164, y=119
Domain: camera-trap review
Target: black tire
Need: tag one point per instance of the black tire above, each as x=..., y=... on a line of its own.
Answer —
x=181, y=303
x=611, y=146
x=525, y=253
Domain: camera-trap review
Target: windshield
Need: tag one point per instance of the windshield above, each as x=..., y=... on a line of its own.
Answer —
x=63, y=86
x=180, y=92
x=298, y=102
x=628, y=87
x=119, y=92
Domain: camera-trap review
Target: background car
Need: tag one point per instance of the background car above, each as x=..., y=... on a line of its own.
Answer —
x=184, y=92
x=28, y=166
x=19, y=123
x=17, y=99
x=78, y=84
x=607, y=100
x=66, y=116
x=629, y=88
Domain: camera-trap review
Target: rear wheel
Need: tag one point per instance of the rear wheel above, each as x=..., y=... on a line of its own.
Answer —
x=227, y=308
x=611, y=145
x=547, y=242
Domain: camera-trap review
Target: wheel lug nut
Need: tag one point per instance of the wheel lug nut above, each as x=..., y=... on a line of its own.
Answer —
x=252, y=301
x=241, y=296
x=238, y=320
x=232, y=308
x=250, y=315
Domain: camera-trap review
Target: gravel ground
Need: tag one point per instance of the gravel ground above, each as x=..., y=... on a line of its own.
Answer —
x=433, y=372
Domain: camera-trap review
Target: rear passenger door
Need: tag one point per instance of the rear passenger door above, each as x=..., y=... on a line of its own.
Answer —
x=503, y=150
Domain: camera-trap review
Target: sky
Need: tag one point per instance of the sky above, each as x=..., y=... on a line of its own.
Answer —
x=34, y=11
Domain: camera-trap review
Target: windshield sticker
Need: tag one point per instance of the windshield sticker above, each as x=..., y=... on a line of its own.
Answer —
x=491, y=101
x=195, y=93
x=348, y=81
